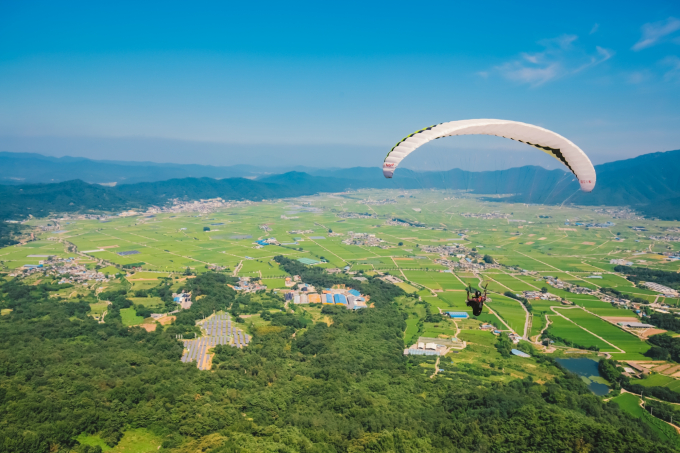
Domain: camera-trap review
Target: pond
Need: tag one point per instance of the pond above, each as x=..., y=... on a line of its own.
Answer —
x=587, y=370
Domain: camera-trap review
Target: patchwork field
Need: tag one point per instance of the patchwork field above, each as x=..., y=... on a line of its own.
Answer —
x=325, y=227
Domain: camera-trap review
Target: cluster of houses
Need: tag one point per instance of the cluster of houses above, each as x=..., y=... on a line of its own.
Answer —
x=391, y=279
x=494, y=330
x=378, y=202
x=308, y=294
x=536, y=295
x=183, y=299
x=666, y=238
x=68, y=268
x=560, y=284
x=621, y=262
x=201, y=206
x=486, y=216
x=355, y=215
x=364, y=239
x=264, y=242
x=446, y=250
x=593, y=225
x=246, y=285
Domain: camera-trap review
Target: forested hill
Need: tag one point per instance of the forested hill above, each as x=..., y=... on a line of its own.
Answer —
x=644, y=180
x=30, y=168
x=338, y=386
x=649, y=183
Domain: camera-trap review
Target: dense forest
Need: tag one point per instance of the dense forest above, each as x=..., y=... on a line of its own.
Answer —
x=340, y=386
x=8, y=232
x=666, y=321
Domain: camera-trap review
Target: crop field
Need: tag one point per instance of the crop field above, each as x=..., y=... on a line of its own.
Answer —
x=321, y=227
x=510, y=282
x=562, y=328
x=633, y=346
x=510, y=310
x=435, y=280
x=432, y=330
x=31, y=253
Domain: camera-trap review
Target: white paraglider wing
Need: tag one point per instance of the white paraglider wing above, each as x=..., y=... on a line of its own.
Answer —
x=547, y=141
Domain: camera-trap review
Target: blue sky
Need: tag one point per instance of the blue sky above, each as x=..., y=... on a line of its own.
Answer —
x=339, y=84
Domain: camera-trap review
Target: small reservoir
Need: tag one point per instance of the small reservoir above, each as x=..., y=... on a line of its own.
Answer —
x=587, y=370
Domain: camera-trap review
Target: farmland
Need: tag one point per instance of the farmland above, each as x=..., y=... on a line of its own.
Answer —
x=167, y=244
x=529, y=249
x=534, y=272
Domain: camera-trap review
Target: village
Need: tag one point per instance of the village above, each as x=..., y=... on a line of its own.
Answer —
x=303, y=293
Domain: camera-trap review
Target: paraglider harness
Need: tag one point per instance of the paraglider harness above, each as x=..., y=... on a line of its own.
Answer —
x=476, y=302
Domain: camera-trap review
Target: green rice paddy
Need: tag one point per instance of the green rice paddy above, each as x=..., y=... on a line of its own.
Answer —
x=170, y=242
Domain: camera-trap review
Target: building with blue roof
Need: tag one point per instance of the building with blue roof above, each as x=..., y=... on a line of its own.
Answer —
x=354, y=292
x=340, y=299
x=457, y=314
x=329, y=298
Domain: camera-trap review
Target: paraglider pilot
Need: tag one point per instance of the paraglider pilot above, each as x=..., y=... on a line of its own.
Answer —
x=476, y=302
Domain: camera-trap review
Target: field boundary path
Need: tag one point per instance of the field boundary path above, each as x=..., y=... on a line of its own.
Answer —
x=238, y=268
x=527, y=315
x=547, y=324
x=436, y=367
x=500, y=319
x=335, y=255
x=527, y=322
x=621, y=351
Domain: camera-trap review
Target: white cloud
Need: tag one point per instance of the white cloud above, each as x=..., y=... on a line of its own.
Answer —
x=672, y=75
x=602, y=56
x=594, y=29
x=533, y=75
x=559, y=58
x=638, y=77
x=654, y=33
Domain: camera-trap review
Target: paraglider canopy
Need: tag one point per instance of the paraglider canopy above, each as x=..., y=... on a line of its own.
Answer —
x=547, y=141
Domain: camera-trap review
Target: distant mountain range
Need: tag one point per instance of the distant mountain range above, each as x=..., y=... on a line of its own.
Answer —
x=649, y=183
x=29, y=168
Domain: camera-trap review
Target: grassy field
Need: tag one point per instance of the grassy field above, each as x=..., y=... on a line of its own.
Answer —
x=134, y=441
x=659, y=380
x=130, y=318
x=633, y=346
x=562, y=328
x=630, y=404
x=147, y=301
x=510, y=310
x=98, y=308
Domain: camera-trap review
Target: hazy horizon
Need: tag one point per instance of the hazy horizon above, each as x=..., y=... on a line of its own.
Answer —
x=211, y=154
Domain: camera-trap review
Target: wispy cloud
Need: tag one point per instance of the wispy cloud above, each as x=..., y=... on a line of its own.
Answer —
x=601, y=56
x=638, y=77
x=594, y=29
x=655, y=32
x=673, y=74
x=559, y=58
